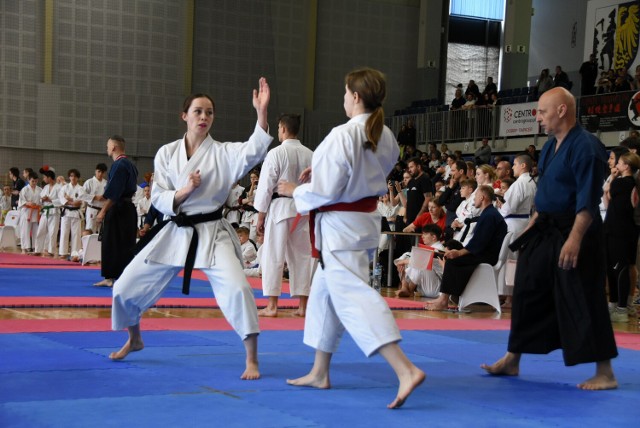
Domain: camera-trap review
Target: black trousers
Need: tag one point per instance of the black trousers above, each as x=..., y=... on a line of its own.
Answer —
x=458, y=271
x=555, y=308
x=118, y=238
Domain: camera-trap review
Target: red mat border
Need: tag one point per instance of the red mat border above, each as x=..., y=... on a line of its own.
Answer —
x=168, y=302
x=629, y=341
x=156, y=324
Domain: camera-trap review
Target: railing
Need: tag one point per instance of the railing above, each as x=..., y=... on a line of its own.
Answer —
x=451, y=126
x=617, y=111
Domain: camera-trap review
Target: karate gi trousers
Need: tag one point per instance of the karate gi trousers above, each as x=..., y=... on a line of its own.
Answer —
x=143, y=282
x=280, y=245
x=555, y=308
x=341, y=298
x=47, y=235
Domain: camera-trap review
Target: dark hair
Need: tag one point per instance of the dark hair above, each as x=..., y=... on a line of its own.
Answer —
x=187, y=101
x=371, y=87
x=631, y=143
x=101, y=167
x=508, y=180
x=74, y=172
x=119, y=140
x=291, y=122
x=416, y=160
x=434, y=229
x=29, y=170
x=32, y=174
x=14, y=171
x=525, y=159
x=462, y=165
x=619, y=151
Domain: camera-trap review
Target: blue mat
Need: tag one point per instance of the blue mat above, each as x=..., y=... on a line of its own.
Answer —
x=191, y=378
x=78, y=283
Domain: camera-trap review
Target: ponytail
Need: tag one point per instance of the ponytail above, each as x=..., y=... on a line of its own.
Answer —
x=373, y=129
x=371, y=85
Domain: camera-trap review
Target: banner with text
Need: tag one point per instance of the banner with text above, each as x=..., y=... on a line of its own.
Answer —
x=617, y=111
x=518, y=119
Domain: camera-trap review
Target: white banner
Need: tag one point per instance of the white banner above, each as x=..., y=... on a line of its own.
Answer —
x=518, y=119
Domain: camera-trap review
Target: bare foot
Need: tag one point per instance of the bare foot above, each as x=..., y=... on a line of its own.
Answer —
x=414, y=378
x=436, y=306
x=126, y=349
x=311, y=380
x=268, y=312
x=503, y=367
x=598, y=383
x=104, y=283
x=403, y=293
x=251, y=371
x=75, y=259
x=300, y=312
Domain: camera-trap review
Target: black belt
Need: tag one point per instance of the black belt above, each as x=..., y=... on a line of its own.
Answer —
x=517, y=216
x=543, y=222
x=468, y=222
x=65, y=208
x=182, y=220
x=276, y=195
x=94, y=207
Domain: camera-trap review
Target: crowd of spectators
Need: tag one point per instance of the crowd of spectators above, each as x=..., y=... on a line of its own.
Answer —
x=438, y=193
x=437, y=190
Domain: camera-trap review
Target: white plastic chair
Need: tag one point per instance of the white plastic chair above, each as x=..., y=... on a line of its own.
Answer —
x=91, y=249
x=483, y=284
x=13, y=219
x=8, y=238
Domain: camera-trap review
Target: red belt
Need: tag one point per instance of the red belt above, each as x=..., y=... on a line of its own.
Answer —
x=364, y=205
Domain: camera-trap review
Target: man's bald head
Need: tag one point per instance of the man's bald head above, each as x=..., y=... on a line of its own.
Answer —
x=557, y=111
x=558, y=96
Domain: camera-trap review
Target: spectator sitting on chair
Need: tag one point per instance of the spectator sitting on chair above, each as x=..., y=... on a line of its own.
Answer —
x=484, y=247
x=458, y=101
x=426, y=281
x=435, y=215
x=463, y=225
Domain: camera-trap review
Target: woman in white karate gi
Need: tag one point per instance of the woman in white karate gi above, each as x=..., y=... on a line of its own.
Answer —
x=193, y=176
x=349, y=169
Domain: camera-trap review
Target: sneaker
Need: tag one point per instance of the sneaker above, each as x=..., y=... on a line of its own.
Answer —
x=620, y=315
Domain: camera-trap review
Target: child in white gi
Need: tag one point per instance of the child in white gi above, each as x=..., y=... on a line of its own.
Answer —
x=29, y=206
